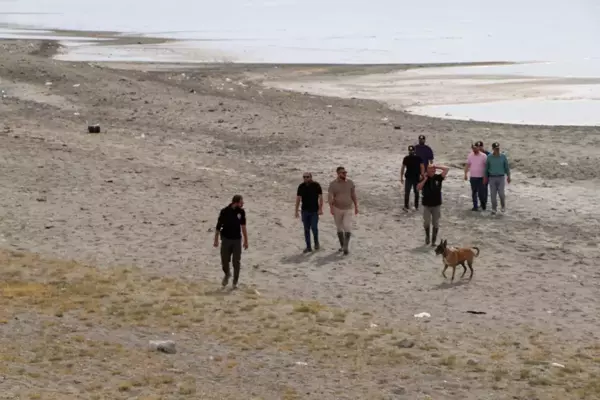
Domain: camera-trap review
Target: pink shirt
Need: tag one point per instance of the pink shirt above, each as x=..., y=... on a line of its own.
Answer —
x=476, y=164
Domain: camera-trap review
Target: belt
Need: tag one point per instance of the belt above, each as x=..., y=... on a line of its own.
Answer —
x=495, y=176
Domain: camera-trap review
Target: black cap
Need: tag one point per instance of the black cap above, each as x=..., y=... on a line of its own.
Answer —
x=495, y=145
x=479, y=144
x=421, y=137
x=411, y=148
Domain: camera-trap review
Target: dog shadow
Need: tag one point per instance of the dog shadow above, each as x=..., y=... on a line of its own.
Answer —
x=450, y=285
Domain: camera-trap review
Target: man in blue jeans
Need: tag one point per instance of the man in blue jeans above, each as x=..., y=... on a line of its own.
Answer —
x=476, y=164
x=311, y=195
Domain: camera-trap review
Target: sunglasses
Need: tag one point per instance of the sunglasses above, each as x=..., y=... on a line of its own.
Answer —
x=306, y=176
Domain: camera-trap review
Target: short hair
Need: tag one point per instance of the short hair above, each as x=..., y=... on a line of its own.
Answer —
x=339, y=169
x=237, y=198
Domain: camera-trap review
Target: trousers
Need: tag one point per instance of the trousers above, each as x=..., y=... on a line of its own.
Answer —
x=479, y=191
x=497, y=184
x=431, y=216
x=310, y=220
x=231, y=249
x=411, y=184
x=342, y=219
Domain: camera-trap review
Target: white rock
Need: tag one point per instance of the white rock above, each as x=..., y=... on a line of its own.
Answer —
x=163, y=346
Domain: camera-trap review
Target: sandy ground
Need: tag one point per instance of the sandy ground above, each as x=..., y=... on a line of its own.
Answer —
x=176, y=145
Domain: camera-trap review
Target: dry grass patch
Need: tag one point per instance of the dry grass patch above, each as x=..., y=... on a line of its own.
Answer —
x=69, y=300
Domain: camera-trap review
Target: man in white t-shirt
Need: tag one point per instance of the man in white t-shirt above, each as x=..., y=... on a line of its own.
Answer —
x=476, y=162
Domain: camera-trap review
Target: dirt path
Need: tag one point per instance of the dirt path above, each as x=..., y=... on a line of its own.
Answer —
x=177, y=145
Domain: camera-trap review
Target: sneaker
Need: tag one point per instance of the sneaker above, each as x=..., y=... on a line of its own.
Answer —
x=346, y=252
x=475, y=209
x=307, y=250
x=225, y=281
x=503, y=210
x=234, y=287
x=317, y=246
x=493, y=212
x=405, y=209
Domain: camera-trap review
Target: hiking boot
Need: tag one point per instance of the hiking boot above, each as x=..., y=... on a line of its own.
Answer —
x=317, y=246
x=307, y=250
x=426, y=235
x=341, y=239
x=434, y=236
x=347, y=236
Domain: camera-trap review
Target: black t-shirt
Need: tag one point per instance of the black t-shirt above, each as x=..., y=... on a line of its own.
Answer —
x=432, y=191
x=413, y=166
x=310, y=192
x=230, y=222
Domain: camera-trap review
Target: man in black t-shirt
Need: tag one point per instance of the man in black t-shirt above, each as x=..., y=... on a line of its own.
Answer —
x=412, y=170
x=231, y=226
x=431, y=189
x=311, y=195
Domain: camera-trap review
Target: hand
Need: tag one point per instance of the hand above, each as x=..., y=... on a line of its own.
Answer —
x=355, y=210
x=508, y=179
x=245, y=244
x=466, y=178
x=331, y=211
x=402, y=181
x=485, y=181
x=320, y=211
x=296, y=214
x=216, y=243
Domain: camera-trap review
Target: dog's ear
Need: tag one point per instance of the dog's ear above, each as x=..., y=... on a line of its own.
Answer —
x=445, y=242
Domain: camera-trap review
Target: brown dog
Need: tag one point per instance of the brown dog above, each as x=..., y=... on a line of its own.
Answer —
x=452, y=257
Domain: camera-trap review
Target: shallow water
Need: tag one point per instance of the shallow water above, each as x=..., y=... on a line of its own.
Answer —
x=559, y=33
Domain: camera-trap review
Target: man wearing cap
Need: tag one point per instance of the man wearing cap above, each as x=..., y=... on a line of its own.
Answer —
x=497, y=172
x=311, y=195
x=412, y=170
x=431, y=187
x=482, y=149
x=424, y=151
x=476, y=163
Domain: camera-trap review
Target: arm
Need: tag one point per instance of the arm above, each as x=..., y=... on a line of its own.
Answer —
x=444, y=170
x=507, y=169
x=422, y=183
x=218, y=228
x=422, y=168
x=402, y=173
x=244, y=231
x=320, y=192
x=467, y=166
x=297, y=206
x=486, y=173
x=330, y=198
x=354, y=200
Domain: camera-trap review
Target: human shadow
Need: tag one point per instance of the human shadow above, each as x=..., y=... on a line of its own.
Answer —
x=331, y=257
x=220, y=292
x=450, y=285
x=423, y=249
x=296, y=258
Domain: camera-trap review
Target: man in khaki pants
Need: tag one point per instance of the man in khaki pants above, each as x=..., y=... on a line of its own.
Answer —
x=342, y=195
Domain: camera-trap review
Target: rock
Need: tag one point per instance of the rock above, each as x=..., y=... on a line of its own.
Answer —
x=41, y=199
x=405, y=344
x=163, y=346
x=397, y=127
x=398, y=390
x=472, y=362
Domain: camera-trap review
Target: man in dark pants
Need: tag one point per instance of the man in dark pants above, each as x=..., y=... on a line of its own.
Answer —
x=412, y=170
x=476, y=162
x=231, y=220
x=311, y=195
x=431, y=186
x=425, y=152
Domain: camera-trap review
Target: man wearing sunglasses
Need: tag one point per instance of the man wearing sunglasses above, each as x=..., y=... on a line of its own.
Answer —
x=311, y=195
x=342, y=195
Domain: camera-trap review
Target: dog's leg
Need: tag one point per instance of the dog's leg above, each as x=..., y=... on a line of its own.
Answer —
x=470, y=263
x=464, y=269
x=453, y=271
x=444, y=271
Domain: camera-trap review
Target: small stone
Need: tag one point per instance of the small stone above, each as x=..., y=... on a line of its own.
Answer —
x=405, y=344
x=399, y=390
x=163, y=346
x=41, y=199
x=472, y=362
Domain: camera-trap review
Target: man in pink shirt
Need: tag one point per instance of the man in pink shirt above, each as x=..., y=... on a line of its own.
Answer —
x=476, y=162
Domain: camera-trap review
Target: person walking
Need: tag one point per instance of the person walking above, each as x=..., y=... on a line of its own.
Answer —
x=497, y=173
x=412, y=171
x=341, y=196
x=431, y=189
x=476, y=162
x=482, y=148
x=425, y=152
x=232, y=220
x=311, y=195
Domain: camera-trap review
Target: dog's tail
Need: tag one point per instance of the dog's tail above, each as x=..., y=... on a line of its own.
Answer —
x=476, y=248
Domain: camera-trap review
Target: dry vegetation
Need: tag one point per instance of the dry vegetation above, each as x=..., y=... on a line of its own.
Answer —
x=71, y=330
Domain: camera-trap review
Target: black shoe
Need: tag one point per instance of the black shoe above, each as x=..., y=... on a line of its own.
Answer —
x=307, y=250
x=426, y=235
x=475, y=209
x=317, y=246
x=225, y=281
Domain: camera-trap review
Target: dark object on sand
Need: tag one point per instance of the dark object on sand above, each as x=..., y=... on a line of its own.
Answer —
x=476, y=312
x=94, y=128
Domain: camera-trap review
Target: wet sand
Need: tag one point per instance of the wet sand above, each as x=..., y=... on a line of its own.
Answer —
x=176, y=145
